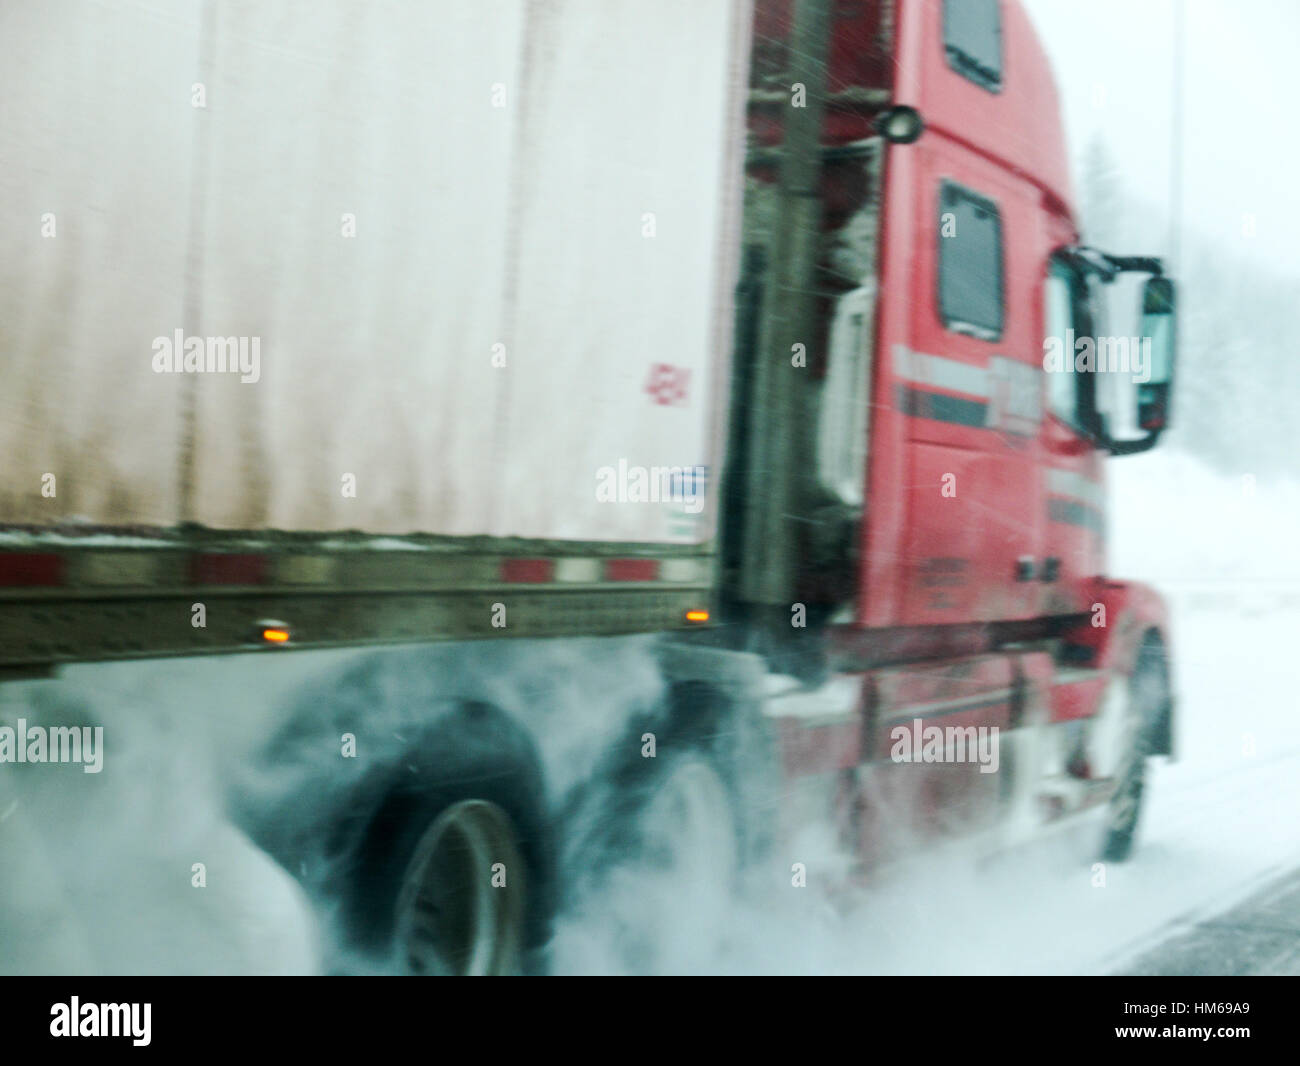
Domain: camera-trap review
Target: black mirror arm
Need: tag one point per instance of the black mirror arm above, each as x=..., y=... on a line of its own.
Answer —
x=1133, y=447
x=1142, y=263
x=1109, y=267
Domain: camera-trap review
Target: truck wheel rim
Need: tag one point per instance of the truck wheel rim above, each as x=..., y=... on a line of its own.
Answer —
x=688, y=835
x=454, y=914
x=1123, y=760
x=687, y=818
x=1113, y=731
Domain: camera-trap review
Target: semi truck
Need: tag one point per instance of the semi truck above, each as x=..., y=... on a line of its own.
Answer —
x=635, y=425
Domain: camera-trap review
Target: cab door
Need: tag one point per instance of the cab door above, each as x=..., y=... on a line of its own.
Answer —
x=969, y=384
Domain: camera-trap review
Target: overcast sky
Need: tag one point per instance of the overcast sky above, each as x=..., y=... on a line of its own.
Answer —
x=1114, y=67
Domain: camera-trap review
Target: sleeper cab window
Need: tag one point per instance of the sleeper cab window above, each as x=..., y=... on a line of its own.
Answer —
x=972, y=40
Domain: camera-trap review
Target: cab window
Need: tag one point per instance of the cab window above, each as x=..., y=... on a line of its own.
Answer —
x=972, y=40
x=970, y=262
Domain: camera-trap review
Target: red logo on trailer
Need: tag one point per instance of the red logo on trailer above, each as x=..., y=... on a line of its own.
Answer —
x=667, y=384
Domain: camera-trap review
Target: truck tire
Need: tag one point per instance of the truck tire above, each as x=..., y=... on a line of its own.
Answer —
x=434, y=856
x=1147, y=698
x=453, y=873
x=449, y=917
x=660, y=881
x=654, y=846
x=686, y=831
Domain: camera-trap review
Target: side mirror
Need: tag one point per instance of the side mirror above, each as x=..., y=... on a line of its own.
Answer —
x=1158, y=348
x=1159, y=331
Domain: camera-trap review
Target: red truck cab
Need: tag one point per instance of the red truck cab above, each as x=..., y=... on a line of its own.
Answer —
x=939, y=481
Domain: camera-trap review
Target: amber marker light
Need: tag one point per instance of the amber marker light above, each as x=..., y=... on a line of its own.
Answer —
x=697, y=616
x=273, y=632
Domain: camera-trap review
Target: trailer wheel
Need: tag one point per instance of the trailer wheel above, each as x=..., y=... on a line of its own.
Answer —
x=456, y=910
x=453, y=872
x=1130, y=724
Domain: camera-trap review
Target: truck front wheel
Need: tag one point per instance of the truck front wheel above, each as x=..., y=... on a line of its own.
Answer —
x=1140, y=705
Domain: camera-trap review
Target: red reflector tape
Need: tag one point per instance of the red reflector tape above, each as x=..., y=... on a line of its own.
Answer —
x=30, y=569
x=223, y=568
x=631, y=569
x=528, y=571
